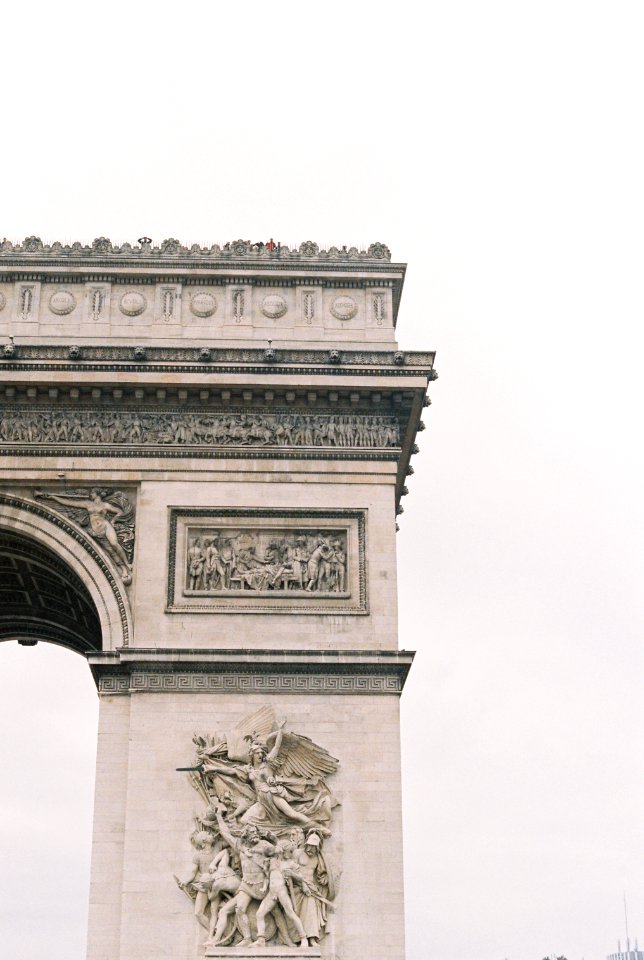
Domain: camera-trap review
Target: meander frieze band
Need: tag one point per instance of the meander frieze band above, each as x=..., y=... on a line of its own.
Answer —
x=306, y=683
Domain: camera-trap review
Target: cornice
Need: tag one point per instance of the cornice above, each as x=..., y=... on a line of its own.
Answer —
x=204, y=359
x=154, y=670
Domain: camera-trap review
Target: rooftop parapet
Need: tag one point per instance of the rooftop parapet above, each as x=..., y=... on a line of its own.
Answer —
x=216, y=295
x=145, y=249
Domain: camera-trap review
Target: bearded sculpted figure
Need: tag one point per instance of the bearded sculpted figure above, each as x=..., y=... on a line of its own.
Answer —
x=268, y=813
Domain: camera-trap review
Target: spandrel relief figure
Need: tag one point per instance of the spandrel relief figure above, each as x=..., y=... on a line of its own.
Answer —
x=268, y=812
x=109, y=517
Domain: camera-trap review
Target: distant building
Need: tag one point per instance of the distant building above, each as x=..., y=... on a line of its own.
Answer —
x=628, y=954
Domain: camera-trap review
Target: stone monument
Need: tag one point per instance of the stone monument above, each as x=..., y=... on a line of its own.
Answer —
x=205, y=450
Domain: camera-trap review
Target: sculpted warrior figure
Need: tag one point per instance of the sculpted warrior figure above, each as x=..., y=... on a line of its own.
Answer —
x=280, y=867
x=252, y=851
x=312, y=899
x=200, y=879
x=196, y=560
x=223, y=880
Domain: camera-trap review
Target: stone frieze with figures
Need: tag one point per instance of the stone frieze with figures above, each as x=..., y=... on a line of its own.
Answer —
x=282, y=430
x=273, y=561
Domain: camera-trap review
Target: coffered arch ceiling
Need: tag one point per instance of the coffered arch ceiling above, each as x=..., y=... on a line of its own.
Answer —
x=42, y=598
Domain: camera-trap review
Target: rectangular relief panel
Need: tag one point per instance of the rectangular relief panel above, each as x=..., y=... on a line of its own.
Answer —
x=267, y=561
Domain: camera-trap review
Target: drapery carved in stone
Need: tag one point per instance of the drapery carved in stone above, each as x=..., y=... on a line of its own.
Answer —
x=106, y=514
x=107, y=426
x=261, y=875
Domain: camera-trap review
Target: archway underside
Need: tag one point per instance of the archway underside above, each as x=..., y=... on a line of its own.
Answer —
x=41, y=598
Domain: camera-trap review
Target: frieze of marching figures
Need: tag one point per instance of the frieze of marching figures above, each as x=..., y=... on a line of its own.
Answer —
x=269, y=560
x=106, y=514
x=171, y=248
x=262, y=875
x=195, y=429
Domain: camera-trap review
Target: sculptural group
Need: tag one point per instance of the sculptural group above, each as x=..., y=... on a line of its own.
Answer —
x=238, y=429
x=309, y=561
x=260, y=874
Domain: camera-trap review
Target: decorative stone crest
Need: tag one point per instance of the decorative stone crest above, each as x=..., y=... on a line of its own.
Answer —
x=106, y=514
x=170, y=247
x=309, y=249
x=32, y=245
x=344, y=308
x=132, y=304
x=62, y=302
x=239, y=247
x=101, y=246
x=274, y=306
x=261, y=876
x=203, y=305
x=379, y=251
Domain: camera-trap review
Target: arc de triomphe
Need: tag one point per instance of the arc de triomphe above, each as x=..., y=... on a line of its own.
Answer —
x=205, y=451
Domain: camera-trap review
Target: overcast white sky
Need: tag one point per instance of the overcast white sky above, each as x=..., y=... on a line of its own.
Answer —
x=498, y=148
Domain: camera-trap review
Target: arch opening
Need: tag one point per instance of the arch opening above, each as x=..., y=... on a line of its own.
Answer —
x=42, y=598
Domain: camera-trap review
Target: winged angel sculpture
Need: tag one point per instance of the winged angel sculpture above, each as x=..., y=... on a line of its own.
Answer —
x=259, y=871
x=108, y=516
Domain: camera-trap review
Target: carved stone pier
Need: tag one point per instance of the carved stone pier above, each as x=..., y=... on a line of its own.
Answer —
x=206, y=451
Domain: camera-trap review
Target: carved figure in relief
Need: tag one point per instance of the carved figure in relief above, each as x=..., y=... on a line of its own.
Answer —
x=200, y=880
x=269, y=799
x=338, y=565
x=224, y=880
x=253, y=852
x=318, y=566
x=216, y=569
x=280, y=867
x=110, y=518
x=196, y=561
x=313, y=898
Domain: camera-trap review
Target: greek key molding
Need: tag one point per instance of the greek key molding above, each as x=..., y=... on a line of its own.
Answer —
x=307, y=683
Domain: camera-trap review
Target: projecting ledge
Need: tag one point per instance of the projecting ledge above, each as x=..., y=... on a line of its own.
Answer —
x=135, y=670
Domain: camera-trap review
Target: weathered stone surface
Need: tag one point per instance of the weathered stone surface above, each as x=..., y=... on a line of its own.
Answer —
x=207, y=446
